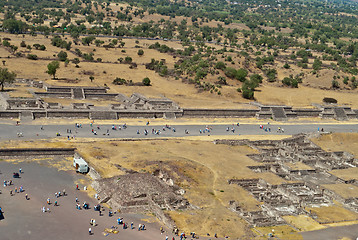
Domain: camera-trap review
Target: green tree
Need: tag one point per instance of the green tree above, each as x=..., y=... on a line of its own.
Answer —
x=317, y=64
x=62, y=56
x=6, y=77
x=256, y=78
x=76, y=61
x=230, y=72
x=271, y=74
x=247, y=93
x=127, y=60
x=91, y=78
x=140, y=52
x=14, y=26
x=52, y=68
x=88, y=40
x=146, y=81
x=241, y=74
x=220, y=65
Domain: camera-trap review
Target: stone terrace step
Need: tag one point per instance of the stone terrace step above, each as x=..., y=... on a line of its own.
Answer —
x=278, y=113
x=340, y=114
x=77, y=93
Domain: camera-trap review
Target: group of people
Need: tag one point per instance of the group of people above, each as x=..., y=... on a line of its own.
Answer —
x=265, y=128
x=8, y=183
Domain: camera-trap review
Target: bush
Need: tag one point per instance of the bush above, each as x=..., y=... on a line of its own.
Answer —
x=32, y=56
x=286, y=81
x=290, y=81
x=241, y=74
x=88, y=57
x=62, y=56
x=287, y=66
x=127, y=59
x=220, y=65
x=271, y=74
x=335, y=84
x=140, y=52
x=317, y=64
x=230, y=72
x=256, y=78
x=345, y=80
x=146, y=81
x=119, y=81
x=247, y=93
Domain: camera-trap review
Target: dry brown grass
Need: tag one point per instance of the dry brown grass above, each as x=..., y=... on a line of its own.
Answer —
x=184, y=94
x=303, y=223
x=298, y=166
x=201, y=168
x=303, y=96
x=333, y=213
x=338, y=142
x=346, y=174
x=281, y=232
x=344, y=190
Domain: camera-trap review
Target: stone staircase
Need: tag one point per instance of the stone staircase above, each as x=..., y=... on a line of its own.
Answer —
x=170, y=115
x=278, y=113
x=26, y=115
x=77, y=93
x=264, y=113
x=340, y=114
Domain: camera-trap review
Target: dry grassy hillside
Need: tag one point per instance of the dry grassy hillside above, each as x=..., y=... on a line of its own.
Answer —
x=186, y=94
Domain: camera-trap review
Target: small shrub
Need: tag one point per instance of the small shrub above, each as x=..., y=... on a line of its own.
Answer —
x=140, y=52
x=32, y=56
x=146, y=81
x=335, y=84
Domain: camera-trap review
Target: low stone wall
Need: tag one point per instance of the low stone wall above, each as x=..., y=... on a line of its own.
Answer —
x=232, y=142
x=307, y=112
x=94, y=90
x=103, y=115
x=59, y=89
x=10, y=114
x=54, y=94
x=68, y=114
x=163, y=217
x=36, y=115
x=139, y=114
x=219, y=112
x=10, y=152
x=101, y=95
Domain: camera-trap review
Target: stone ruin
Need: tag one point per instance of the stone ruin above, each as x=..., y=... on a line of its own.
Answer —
x=299, y=161
x=138, y=105
x=140, y=192
x=118, y=105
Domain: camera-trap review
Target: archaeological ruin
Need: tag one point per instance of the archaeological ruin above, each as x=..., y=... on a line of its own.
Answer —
x=142, y=192
x=118, y=106
x=306, y=169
